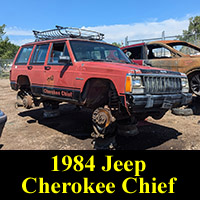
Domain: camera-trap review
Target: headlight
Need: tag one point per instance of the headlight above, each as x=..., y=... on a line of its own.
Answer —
x=185, y=84
x=134, y=84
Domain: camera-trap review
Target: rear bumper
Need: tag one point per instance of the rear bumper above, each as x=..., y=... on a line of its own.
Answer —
x=165, y=101
x=3, y=119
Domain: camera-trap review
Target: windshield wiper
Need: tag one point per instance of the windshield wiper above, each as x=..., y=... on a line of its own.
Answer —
x=102, y=60
x=97, y=60
x=105, y=60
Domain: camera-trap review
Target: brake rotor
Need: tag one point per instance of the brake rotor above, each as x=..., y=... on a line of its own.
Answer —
x=101, y=119
x=28, y=101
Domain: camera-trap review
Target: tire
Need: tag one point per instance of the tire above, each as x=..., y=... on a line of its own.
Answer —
x=3, y=119
x=194, y=81
x=182, y=112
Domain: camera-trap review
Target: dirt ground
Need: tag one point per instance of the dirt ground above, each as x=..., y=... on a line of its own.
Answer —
x=26, y=129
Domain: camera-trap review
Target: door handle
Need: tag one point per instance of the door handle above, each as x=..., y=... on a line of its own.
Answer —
x=47, y=67
x=30, y=67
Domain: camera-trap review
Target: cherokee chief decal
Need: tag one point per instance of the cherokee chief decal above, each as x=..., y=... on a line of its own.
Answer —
x=57, y=92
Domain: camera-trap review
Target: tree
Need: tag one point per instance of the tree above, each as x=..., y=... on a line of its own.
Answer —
x=7, y=49
x=2, y=31
x=116, y=44
x=192, y=34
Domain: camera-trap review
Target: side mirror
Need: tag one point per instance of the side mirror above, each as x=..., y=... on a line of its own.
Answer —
x=64, y=59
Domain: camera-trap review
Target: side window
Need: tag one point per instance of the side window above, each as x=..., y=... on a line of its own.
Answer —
x=96, y=54
x=39, y=54
x=58, y=49
x=134, y=53
x=112, y=55
x=24, y=55
x=157, y=51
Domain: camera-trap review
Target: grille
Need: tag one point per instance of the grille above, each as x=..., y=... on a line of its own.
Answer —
x=162, y=85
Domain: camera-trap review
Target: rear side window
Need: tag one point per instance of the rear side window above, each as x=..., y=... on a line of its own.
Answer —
x=39, y=54
x=134, y=53
x=24, y=55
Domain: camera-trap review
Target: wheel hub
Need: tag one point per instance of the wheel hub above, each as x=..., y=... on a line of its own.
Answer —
x=102, y=117
x=28, y=101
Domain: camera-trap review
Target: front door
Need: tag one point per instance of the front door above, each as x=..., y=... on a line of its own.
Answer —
x=58, y=76
x=161, y=57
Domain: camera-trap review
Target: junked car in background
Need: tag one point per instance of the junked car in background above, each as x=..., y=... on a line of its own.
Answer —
x=169, y=54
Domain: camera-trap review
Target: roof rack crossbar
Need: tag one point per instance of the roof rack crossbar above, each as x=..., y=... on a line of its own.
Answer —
x=67, y=32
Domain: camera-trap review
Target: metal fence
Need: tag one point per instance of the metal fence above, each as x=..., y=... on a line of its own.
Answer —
x=194, y=39
x=5, y=66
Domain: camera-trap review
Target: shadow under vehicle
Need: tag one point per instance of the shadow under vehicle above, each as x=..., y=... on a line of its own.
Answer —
x=77, y=123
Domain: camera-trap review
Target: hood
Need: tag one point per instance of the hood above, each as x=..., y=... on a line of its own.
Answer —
x=194, y=56
x=129, y=68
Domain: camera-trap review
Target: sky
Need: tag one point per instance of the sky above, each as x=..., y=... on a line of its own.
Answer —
x=116, y=19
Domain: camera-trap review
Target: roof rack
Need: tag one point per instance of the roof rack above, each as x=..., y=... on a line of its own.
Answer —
x=67, y=32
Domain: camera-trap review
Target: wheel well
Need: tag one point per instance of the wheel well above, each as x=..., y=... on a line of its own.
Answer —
x=23, y=81
x=193, y=71
x=96, y=92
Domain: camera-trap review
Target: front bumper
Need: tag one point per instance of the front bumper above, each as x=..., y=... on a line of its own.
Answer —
x=164, y=101
x=3, y=119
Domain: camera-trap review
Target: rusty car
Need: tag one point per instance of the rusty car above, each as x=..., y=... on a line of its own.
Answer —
x=173, y=55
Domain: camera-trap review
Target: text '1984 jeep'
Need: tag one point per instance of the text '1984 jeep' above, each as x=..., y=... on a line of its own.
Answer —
x=75, y=66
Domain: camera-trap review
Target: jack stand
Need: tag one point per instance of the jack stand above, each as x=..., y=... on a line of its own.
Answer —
x=51, y=110
x=51, y=113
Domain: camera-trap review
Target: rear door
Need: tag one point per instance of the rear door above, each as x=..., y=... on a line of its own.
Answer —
x=36, y=68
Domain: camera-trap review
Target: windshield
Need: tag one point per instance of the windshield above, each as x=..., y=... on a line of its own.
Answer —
x=94, y=51
x=185, y=48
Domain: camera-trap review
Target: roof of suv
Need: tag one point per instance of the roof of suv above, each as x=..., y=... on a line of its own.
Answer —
x=62, y=39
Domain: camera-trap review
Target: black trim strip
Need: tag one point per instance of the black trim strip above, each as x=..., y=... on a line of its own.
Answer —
x=161, y=71
x=60, y=98
x=54, y=86
x=56, y=93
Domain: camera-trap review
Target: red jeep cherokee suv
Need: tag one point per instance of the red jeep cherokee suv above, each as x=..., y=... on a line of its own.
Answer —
x=75, y=66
